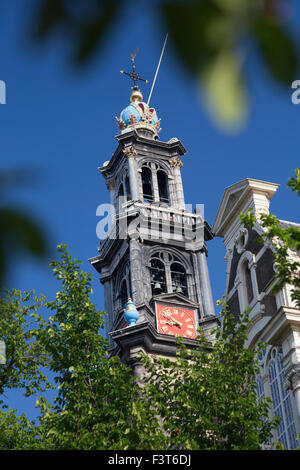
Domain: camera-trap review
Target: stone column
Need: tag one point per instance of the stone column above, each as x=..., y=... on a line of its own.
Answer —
x=131, y=154
x=176, y=164
x=136, y=270
x=207, y=299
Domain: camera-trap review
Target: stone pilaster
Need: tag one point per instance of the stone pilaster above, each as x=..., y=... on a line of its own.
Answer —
x=207, y=299
x=136, y=264
x=176, y=164
x=131, y=154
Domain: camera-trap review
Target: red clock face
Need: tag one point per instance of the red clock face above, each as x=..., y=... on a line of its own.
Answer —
x=176, y=321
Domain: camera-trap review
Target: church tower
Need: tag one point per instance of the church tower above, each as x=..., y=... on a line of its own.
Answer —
x=153, y=262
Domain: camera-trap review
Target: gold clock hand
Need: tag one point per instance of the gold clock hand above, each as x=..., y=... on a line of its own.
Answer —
x=171, y=318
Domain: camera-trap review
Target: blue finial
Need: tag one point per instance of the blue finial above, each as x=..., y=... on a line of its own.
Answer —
x=131, y=314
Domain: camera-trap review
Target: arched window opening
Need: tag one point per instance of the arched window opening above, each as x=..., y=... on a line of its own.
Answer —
x=120, y=198
x=163, y=186
x=121, y=190
x=127, y=188
x=123, y=293
x=158, y=277
x=248, y=283
x=147, y=184
x=178, y=277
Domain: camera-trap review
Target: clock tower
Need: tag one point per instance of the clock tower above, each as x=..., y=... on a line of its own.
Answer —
x=152, y=263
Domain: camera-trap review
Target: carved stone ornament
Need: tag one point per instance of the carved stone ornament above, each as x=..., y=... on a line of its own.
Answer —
x=176, y=162
x=241, y=240
x=110, y=184
x=130, y=152
x=292, y=378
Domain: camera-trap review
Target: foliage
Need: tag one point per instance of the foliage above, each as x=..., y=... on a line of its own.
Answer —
x=17, y=433
x=19, y=329
x=286, y=241
x=207, y=397
x=218, y=36
x=97, y=405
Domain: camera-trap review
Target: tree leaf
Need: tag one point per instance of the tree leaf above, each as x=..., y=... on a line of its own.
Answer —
x=224, y=89
x=277, y=49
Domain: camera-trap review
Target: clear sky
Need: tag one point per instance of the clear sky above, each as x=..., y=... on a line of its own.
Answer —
x=60, y=121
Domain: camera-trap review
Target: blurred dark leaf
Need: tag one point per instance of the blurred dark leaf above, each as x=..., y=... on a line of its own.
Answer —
x=278, y=50
x=187, y=24
x=201, y=30
x=91, y=35
x=18, y=234
x=50, y=15
x=86, y=23
x=18, y=177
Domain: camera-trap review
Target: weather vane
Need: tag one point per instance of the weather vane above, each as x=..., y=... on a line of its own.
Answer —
x=133, y=75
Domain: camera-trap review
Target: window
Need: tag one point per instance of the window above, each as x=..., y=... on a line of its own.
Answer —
x=127, y=188
x=122, y=286
x=281, y=402
x=163, y=186
x=167, y=274
x=248, y=283
x=147, y=184
x=121, y=190
x=178, y=277
x=158, y=276
x=123, y=294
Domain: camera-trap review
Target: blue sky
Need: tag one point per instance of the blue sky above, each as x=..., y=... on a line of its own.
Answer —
x=61, y=122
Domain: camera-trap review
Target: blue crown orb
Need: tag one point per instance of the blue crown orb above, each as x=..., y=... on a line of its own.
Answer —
x=131, y=314
x=138, y=115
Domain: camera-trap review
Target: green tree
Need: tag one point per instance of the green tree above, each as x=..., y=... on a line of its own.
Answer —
x=98, y=404
x=203, y=399
x=26, y=356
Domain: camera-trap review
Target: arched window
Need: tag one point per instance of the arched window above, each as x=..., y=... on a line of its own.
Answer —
x=123, y=293
x=122, y=286
x=178, y=278
x=248, y=282
x=167, y=274
x=127, y=188
x=163, y=186
x=147, y=184
x=121, y=190
x=286, y=432
x=158, y=276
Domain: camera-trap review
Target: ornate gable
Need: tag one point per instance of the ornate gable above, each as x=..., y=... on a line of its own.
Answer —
x=248, y=193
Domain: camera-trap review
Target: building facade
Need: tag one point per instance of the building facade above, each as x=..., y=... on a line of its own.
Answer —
x=275, y=320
